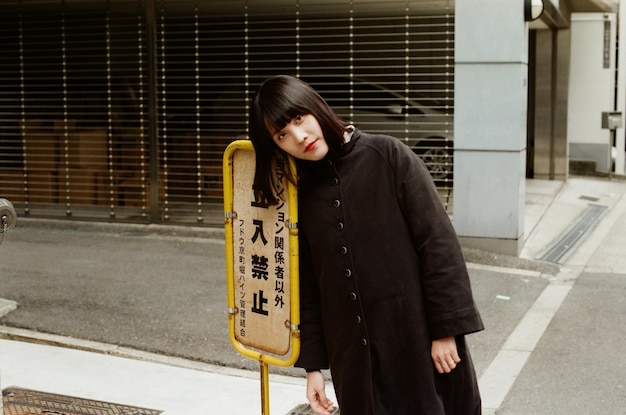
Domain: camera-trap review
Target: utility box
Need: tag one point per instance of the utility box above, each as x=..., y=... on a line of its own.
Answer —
x=612, y=120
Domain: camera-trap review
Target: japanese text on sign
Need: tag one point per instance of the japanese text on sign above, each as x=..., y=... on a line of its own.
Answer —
x=261, y=283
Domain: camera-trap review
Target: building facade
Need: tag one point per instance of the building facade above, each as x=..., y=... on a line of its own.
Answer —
x=120, y=110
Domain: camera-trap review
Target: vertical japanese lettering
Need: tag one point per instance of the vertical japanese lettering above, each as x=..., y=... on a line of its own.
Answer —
x=261, y=260
x=258, y=231
x=258, y=302
x=242, y=278
x=259, y=267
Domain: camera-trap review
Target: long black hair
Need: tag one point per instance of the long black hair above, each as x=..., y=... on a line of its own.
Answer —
x=278, y=100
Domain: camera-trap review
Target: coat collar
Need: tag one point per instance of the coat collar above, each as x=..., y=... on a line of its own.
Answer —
x=346, y=147
x=308, y=168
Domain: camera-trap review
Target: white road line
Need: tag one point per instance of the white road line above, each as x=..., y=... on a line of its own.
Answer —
x=506, y=270
x=499, y=377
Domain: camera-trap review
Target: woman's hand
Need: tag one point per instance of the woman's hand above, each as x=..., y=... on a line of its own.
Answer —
x=445, y=355
x=316, y=393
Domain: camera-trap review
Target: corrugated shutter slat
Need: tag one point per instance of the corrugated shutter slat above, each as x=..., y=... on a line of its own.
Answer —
x=81, y=137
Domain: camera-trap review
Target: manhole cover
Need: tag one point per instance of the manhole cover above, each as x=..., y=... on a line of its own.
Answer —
x=28, y=402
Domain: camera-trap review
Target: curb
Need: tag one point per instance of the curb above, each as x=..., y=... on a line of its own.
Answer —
x=30, y=336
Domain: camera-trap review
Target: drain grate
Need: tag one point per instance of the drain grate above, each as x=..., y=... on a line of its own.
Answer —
x=560, y=249
x=28, y=402
x=305, y=409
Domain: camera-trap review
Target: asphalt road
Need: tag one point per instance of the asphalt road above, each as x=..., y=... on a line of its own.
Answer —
x=163, y=290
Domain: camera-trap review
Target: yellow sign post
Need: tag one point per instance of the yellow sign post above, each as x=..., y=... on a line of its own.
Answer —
x=261, y=266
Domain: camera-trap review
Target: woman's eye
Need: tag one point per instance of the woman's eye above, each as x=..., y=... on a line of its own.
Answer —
x=299, y=118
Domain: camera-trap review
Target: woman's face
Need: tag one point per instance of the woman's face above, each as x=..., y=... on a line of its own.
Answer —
x=302, y=138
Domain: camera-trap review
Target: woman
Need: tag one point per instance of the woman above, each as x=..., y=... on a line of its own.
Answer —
x=385, y=295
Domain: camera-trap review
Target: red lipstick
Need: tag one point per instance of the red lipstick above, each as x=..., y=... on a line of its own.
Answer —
x=311, y=146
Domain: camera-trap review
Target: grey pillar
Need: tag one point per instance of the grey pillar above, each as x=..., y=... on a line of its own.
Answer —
x=491, y=72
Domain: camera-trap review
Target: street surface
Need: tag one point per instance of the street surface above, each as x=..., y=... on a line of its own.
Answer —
x=553, y=337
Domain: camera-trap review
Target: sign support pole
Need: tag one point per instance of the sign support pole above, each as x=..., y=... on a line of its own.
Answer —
x=265, y=389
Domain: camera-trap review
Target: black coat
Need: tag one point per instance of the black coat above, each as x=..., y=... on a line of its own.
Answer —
x=382, y=275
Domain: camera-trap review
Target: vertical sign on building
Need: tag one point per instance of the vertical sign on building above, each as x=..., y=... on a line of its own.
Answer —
x=261, y=245
x=606, y=46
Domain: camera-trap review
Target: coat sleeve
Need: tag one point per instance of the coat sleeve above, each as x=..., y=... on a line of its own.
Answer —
x=313, y=354
x=450, y=306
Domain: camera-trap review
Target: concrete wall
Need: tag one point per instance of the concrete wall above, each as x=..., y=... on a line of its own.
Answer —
x=620, y=162
x=592, y=86
x=491, y=89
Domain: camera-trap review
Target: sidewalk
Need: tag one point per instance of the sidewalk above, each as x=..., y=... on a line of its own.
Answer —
x=561, y=358
x=174, y=386
x=181, y=387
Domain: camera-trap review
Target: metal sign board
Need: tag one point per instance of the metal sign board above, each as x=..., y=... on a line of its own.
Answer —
x=262, y=263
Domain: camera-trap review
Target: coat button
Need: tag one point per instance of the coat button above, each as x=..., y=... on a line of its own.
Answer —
x=334, y=181
x=358, y=319
x=343, y=250
x=364, y=341
x=339, y=226
x=353, y=296
x=347, y=272
x=336, y=203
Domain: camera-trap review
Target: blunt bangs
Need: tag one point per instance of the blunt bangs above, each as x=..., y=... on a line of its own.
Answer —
x=277, y=113
x=280, y=102
x=276, y=102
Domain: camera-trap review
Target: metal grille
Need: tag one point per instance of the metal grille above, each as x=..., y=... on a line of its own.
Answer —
x=73, y=109
x=120, y=110
x=305, y=409
x=564, y=245
x=19, y=401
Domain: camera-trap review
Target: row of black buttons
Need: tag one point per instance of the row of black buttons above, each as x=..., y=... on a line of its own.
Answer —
x=344, y=250
x=353, y=297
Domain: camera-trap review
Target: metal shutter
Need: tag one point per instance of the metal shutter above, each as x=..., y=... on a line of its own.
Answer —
x=120, y=110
